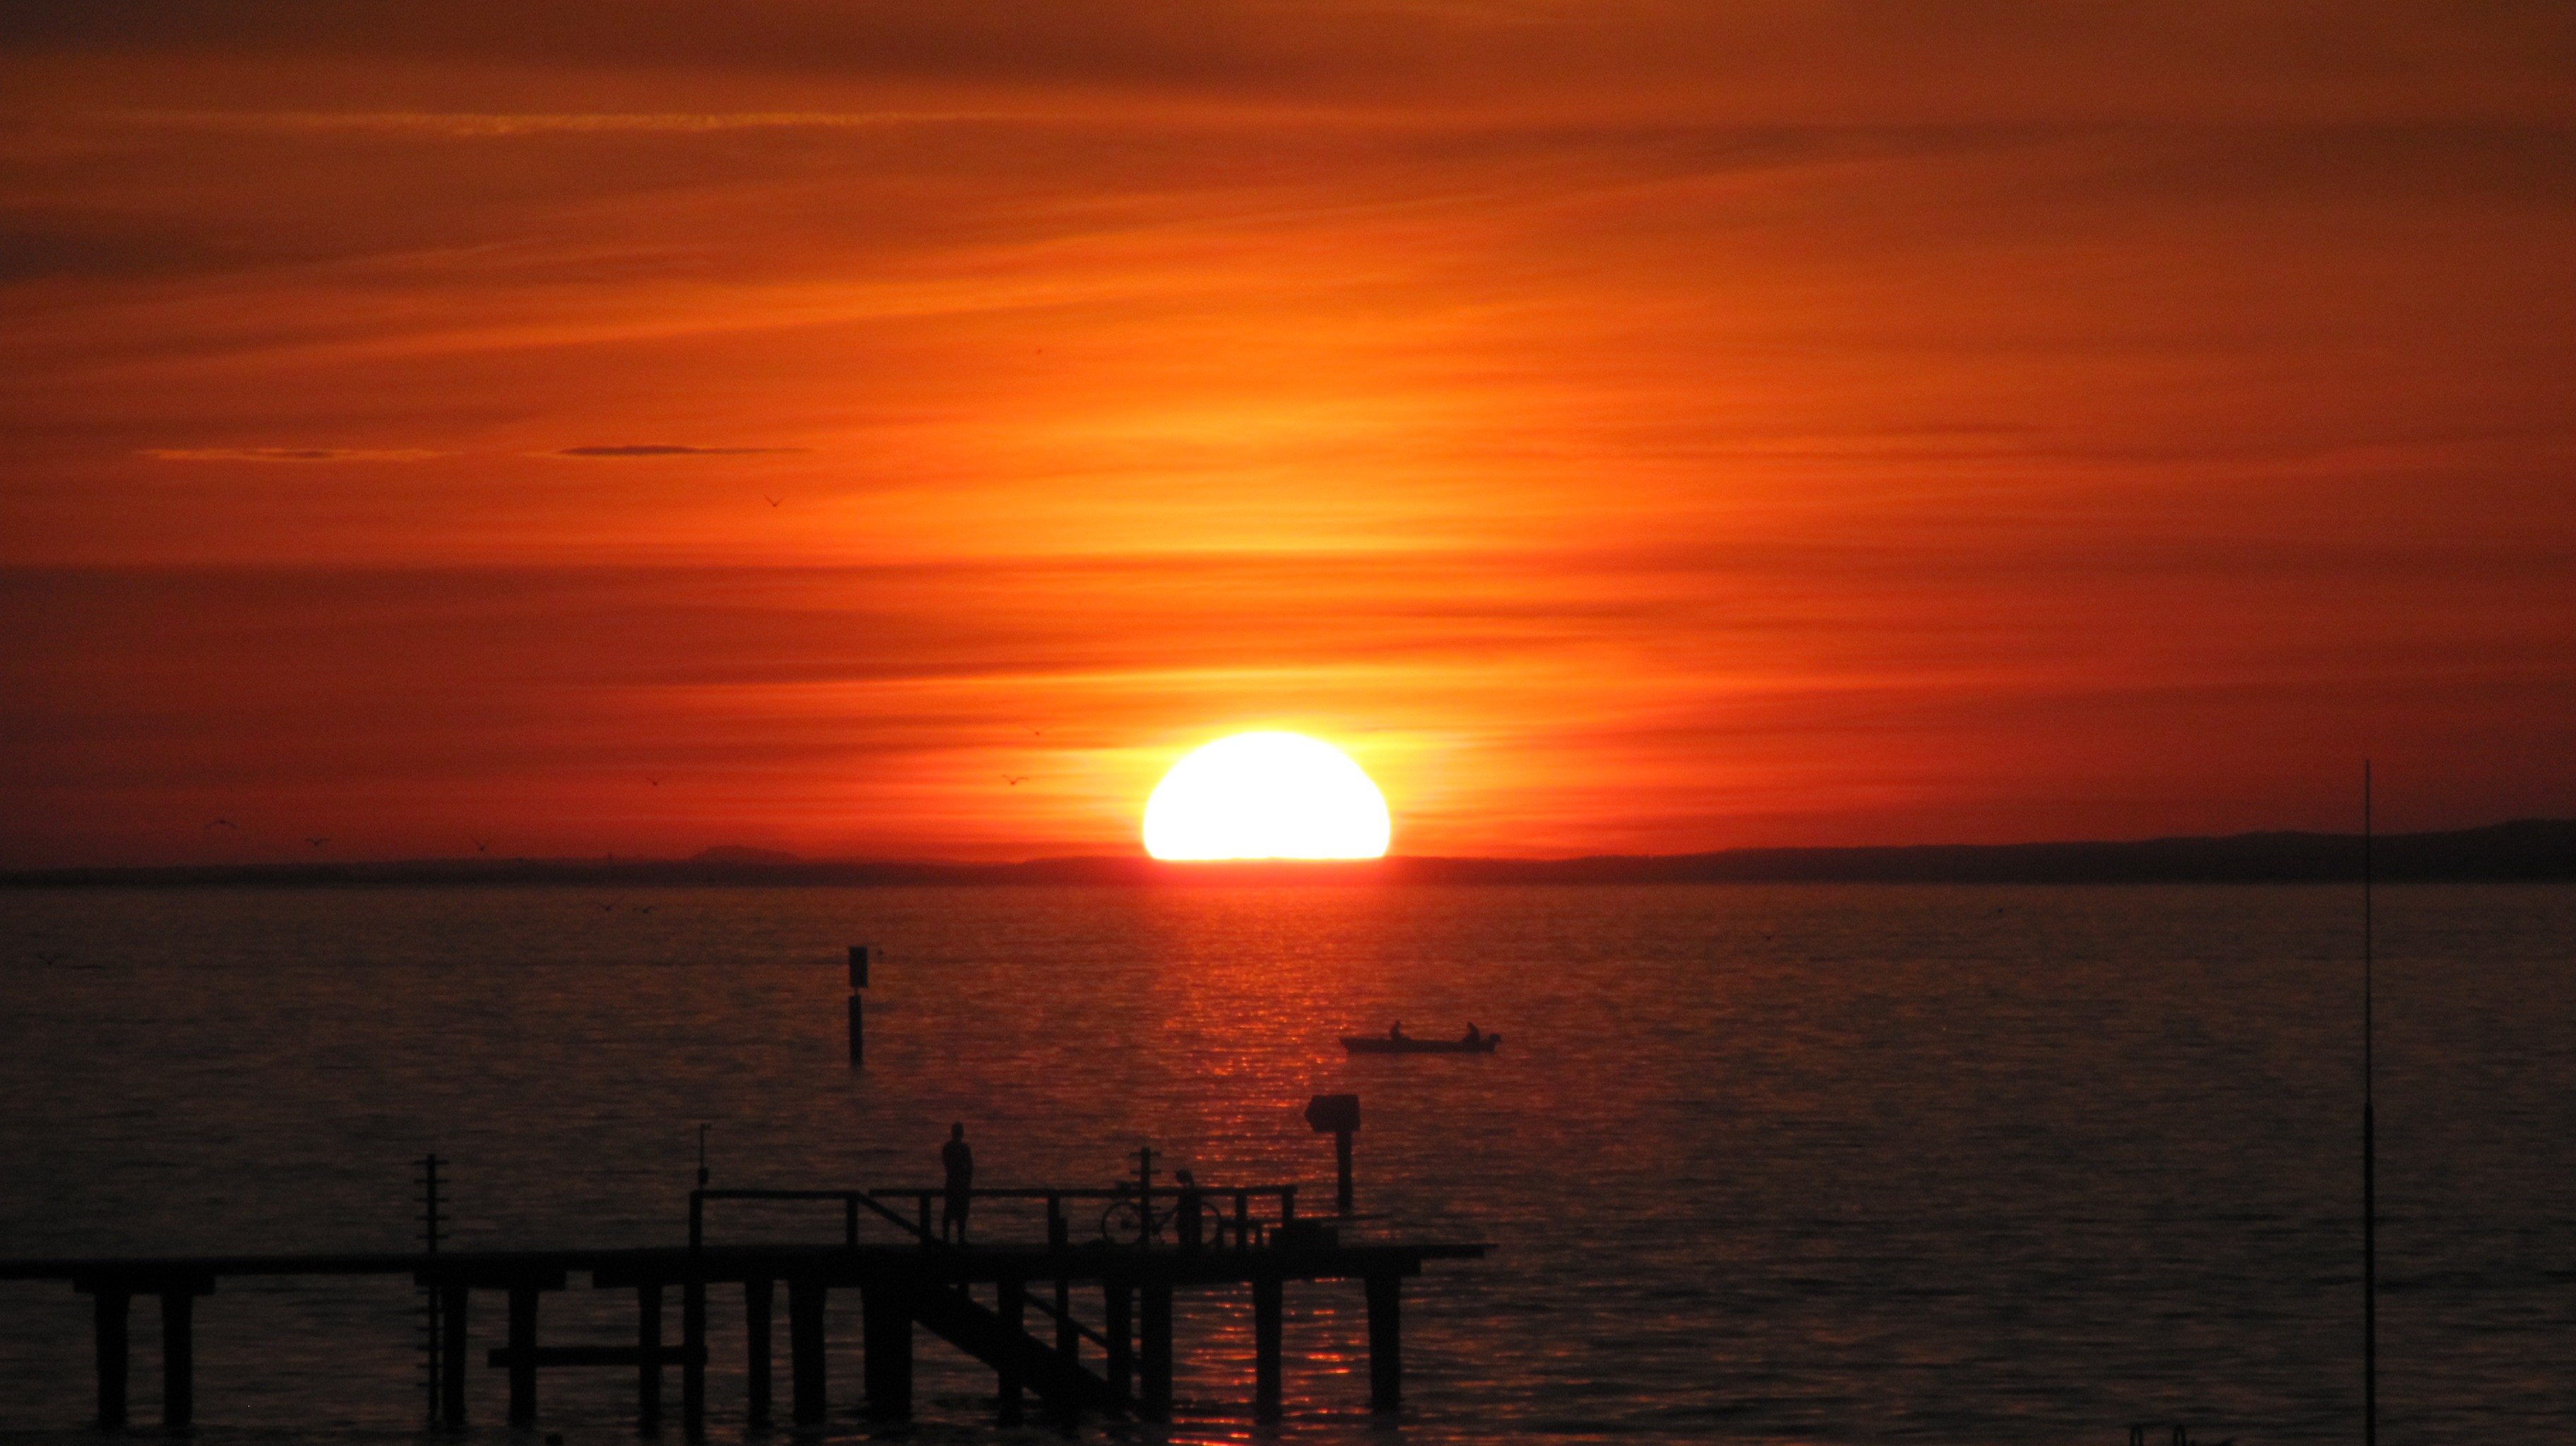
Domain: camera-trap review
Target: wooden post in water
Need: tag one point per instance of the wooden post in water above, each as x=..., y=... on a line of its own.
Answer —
x=1068, y=1340
x=108, y=1311
x=451, y=1319
x=756, y=1296
x=1266, y=1293
x=858, y=981
x=885, y=1314
x=1118, y=1324
x=693, y=1361
x=1154, y=1349
x=805, y=1348
x=648, y=1340
x=178, y=1359
x=2369, y=1155
x=1386, y=1340
x=1011, y=1303
x=523, y=1354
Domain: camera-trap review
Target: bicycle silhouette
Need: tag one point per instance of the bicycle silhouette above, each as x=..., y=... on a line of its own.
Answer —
x=1129, y=1221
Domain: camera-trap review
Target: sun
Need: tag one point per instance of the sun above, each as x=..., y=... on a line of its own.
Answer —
x=1266, y=796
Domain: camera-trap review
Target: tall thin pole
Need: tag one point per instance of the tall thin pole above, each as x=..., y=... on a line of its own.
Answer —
x=2369, y=1154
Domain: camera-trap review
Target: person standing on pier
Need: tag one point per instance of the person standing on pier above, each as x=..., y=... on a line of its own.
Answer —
x=958, y=1159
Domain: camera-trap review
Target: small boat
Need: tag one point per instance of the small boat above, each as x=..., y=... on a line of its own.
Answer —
x=1407, y=1044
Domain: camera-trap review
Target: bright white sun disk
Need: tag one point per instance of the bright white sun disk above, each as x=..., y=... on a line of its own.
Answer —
x=1266, y=796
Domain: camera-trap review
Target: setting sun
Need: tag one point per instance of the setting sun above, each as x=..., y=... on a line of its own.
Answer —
x=1266, y=796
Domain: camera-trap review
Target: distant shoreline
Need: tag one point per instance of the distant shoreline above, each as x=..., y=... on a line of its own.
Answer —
x=2526, y=850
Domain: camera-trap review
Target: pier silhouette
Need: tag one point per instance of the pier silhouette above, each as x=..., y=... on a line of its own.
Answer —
x=1146, y=1243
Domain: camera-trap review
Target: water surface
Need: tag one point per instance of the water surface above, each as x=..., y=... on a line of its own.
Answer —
x=1795, y=1163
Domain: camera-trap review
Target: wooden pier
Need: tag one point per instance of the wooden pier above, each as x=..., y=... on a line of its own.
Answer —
x=1196, y=1238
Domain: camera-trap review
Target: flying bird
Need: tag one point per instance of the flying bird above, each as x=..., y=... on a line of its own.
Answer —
x=225, y=823
x=481, y=845
x=316, y=842
x=48, y=959
x=649, y=778
x=613, y=903
x=1015, y=779
x=772, y=501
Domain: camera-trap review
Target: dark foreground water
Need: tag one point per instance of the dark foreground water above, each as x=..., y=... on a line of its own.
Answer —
x=1762, y=1164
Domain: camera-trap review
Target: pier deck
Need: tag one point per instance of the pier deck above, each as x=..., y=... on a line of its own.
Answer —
x=919, y=1282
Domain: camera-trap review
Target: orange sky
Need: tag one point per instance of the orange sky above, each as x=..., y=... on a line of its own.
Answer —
x=1621, y=426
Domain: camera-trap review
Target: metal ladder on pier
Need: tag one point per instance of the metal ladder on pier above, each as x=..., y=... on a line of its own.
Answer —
x=433, y=1320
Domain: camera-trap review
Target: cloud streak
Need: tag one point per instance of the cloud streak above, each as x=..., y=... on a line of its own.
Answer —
x=290, y=454
x=667, y=449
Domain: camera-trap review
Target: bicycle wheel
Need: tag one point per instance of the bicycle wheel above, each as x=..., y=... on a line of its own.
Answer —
x=1122, y=1223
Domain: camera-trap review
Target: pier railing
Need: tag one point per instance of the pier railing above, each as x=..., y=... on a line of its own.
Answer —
x=1181, y=1217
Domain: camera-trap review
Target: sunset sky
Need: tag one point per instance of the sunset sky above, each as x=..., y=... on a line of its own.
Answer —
x=589, y=428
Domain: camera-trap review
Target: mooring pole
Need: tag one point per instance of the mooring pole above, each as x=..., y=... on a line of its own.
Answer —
x=2369, y=1154
x=858, y=981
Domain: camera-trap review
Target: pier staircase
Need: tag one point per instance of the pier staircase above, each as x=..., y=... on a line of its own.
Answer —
x=966, y=1323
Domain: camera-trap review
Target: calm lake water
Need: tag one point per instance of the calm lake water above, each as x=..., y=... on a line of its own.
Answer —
x=1761, y=1163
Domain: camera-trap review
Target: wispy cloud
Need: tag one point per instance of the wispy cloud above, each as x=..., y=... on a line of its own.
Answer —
x=666, y=449
x=467, y=124
x=290, y=454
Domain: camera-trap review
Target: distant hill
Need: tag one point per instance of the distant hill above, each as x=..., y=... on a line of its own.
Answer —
x=2527, y=850
x=742, y=854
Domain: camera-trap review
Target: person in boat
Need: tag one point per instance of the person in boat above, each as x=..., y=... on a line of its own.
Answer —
x=958, y=1160
x=1396, y=1032
x=1472, y=1036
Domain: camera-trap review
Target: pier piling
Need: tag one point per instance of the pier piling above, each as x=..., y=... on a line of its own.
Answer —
x=1386, y=1340
x=1118, y=1323
x=693, y=1356
x=1266, y=1295
x=1154, y=1350
x=1011, y=1304
x=885, y=1319
x=756, y=1295
x=178, y=1359
x=648, y=1361
x=805, y=1348
x=451, y=1385
x=108, y=1311
x=523, y=1354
